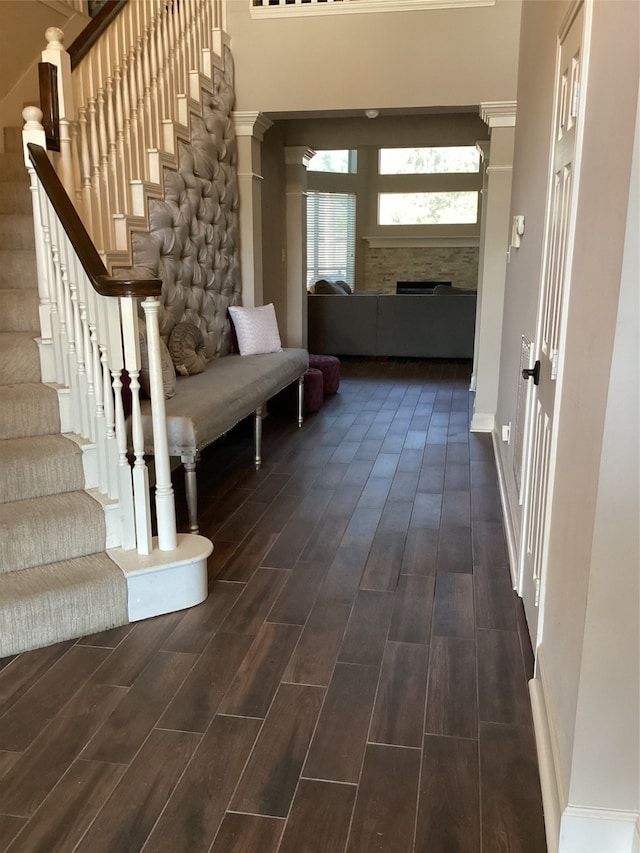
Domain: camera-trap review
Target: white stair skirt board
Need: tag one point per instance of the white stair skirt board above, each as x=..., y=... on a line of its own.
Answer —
x=482, y=422
x=165, y=581
x=112, y=517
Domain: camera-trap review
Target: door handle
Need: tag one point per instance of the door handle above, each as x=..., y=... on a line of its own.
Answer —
x=532, y=373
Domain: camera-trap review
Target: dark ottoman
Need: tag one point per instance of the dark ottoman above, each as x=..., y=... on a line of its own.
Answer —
x=330, y=367
x=313, y=390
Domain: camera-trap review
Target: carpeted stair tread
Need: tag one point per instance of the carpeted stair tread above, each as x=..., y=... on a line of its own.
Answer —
x=16, y=231
x=18, y=269
x=44, y=465
x=19, y=310
x=50, y=529
x=19, y=358
x=60, y=601
x=28, y=409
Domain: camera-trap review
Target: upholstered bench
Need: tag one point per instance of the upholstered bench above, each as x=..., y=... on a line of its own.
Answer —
x=207, y=405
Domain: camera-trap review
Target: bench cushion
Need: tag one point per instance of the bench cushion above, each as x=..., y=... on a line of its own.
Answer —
x=207, y=405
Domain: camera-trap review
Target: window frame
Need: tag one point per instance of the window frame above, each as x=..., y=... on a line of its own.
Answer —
x=312, y=273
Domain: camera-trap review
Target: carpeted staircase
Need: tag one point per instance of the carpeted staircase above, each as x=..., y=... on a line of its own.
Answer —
x=56, y=581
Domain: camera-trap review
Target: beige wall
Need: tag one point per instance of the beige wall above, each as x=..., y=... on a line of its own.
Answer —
x=435, y=57
x=323, y=66
x=589, y=651
x=21, y=42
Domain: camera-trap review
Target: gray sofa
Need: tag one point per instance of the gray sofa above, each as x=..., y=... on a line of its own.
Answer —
x=438, y=325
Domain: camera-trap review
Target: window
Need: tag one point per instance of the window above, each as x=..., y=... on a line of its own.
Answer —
x=439, y=185
x=429, y=161
x=338, y=162
x=331, y=233
x=442, y=208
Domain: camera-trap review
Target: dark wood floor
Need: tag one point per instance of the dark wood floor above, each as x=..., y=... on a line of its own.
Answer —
x=356, y=680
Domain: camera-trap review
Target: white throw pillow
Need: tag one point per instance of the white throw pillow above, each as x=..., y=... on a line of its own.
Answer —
x=256, y=329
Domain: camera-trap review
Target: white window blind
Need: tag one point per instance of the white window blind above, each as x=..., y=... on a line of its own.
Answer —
x=331, y=236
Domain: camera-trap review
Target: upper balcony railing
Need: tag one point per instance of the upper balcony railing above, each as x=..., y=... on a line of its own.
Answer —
x=291, y=8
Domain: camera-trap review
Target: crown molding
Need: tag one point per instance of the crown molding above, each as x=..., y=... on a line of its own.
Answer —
x=253, y=124
x=499, y=113
x=286, y=10
x=298, y=155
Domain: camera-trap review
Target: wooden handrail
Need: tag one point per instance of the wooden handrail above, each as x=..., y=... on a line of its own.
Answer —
x=94, y=29
x=87, y=253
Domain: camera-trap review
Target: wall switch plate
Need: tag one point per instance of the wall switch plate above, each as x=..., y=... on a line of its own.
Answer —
x=506, y=432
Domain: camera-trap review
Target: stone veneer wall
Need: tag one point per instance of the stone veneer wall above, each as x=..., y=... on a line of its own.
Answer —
x=385, y=266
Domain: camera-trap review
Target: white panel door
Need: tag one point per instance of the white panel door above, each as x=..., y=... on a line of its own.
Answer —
x=548, y=348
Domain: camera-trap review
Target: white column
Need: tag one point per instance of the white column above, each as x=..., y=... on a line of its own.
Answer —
x=496, y=202
x=250, y=128
x=296, y=162
x=484, y=147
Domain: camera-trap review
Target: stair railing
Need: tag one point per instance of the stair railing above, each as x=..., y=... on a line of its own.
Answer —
x=89, y=324
x=120, y=104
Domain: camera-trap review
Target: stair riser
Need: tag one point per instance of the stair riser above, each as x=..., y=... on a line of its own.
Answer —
x=19, y=358
x=28, y=410
x=18, y=310
x=14, y=198
x=16, y=231
x=60, y=601
x=50, y=529
x=13, y=140
x=18, y=269
x=12, y=166
x=36, y=467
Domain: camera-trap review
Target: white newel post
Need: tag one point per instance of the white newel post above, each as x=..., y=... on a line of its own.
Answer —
x=131, y=343
x=165, y=504
x=56, y=55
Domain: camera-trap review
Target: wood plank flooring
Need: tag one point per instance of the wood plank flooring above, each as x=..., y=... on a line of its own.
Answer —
x=356, y=680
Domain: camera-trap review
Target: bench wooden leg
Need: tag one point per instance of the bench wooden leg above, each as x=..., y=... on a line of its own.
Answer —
x=300, y=399
x=191, y=491
x=257, y=437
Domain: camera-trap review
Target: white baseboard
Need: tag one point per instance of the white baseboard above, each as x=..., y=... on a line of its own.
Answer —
x=585, y=830
x=570, y=828
x=165, y=581
x=482, y=422
x=546, y=765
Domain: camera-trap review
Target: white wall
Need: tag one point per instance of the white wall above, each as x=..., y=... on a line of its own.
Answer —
x=454, y=57
x=588, y=659
x=610, y=662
